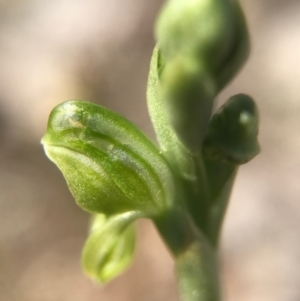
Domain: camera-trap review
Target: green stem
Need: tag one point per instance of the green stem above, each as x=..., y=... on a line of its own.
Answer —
x=195, y=259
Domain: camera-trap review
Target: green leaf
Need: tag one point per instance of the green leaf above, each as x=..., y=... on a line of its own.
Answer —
x=109, y=165
x=109, y=249
x=233, y=130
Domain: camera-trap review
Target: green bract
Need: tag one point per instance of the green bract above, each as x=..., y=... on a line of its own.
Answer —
x=170, y=145
x=110, y=166
x=110, y=247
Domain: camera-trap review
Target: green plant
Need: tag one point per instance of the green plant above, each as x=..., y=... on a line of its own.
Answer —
x=115, y=172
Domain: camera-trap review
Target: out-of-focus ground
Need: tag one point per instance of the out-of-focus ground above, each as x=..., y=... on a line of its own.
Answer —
x=51, y=51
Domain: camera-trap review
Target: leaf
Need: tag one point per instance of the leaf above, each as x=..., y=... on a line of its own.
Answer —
x=109, y=165
x=109, y=249
x=233, y=130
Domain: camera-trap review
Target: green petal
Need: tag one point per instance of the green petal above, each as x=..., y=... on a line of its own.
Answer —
x=110, y=247
x=109, y=165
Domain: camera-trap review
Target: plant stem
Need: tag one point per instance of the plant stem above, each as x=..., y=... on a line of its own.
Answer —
x=195, y=258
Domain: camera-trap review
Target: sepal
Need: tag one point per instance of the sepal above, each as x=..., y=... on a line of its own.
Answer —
x=109, y=165
x=109, y=249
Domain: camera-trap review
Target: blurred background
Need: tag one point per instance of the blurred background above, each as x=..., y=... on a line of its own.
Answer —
x=99, y=51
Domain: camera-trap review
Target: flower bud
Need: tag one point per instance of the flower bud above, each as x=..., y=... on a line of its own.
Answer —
x=233, y=130
x=212, y=32
x=201, y=45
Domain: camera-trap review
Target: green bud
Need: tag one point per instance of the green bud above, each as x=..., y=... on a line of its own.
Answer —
x=201, y=44
x=109, y=165
x=233, y=130
x=109, y=249
x=212, y=32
